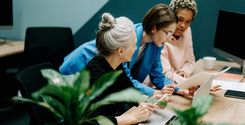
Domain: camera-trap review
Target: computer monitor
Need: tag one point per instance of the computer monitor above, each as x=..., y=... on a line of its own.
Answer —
x=229, y=40
x=6, y=13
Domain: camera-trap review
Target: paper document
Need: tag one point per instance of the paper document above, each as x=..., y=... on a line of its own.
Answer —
x=200, y=78
x=195, y=80
x=230, y=85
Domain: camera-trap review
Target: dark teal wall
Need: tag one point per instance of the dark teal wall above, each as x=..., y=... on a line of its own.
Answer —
x=203, y=27
x=133, y=9
x=235, y=5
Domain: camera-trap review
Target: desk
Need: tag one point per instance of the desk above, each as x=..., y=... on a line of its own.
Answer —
x=223, y=109
x=11, y=47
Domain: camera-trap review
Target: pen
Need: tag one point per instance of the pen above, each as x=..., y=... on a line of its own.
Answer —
x=172, y=71
x=164, y=96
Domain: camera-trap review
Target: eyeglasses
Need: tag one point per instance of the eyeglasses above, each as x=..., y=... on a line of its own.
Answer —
x=168, y=34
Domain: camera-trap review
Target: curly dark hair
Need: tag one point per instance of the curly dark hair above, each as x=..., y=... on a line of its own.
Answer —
x=190, y=4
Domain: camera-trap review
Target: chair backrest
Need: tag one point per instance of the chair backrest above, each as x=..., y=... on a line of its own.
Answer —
x=48, y=44
x=30, y=80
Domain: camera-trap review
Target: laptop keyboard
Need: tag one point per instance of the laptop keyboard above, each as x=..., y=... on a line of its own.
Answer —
x=173, y=119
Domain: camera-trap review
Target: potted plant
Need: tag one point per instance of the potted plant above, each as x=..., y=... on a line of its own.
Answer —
x=69, y=97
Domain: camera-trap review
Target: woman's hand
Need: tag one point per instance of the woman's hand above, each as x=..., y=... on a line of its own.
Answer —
x=215, y=88
x=192, y=90
x=167, y=89
x=137, y=114
x=189, y=92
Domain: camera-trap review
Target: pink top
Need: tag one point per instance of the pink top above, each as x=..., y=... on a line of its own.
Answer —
x=179, y=55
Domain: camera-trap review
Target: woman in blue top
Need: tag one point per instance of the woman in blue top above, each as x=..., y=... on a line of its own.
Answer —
x=158, y=25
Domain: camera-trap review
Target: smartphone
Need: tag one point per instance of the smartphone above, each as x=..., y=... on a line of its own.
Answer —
x=235, y=94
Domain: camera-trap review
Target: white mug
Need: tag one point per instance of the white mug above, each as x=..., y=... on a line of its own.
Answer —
x=209, y=62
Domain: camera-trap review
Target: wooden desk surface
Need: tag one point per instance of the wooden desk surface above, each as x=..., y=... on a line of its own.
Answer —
x=223, y=109
x=11, y=47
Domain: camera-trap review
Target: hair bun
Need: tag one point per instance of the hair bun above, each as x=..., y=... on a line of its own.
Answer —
x=108, y=22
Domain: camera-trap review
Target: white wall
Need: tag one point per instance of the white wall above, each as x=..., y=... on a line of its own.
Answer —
x=72, y=13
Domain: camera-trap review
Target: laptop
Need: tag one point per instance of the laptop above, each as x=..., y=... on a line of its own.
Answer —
x=200, y=78
x=165, y=117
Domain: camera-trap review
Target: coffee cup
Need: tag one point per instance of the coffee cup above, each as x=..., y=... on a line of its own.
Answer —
x=209, y=62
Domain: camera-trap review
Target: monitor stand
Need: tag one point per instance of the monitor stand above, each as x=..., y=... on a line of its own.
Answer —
x=238, y=70
x=243, y=68
x=234, y=70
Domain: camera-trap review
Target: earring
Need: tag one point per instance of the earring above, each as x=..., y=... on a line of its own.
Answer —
x=121, y=56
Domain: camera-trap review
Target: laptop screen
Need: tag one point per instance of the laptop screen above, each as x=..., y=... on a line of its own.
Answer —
x=204, y=89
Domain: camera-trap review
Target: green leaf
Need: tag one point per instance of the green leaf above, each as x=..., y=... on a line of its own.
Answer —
x=58, y=107
x=54, y=77
x=127, y=95
x=71, y=79
x=82, y=83
x=102, y=120
x=83, y=106
x=62, y=93
x=192, y=115
x=187, y=117
x=202, y=105
x=43, y=104
x=22, y=99
x=66, y=80
x=154, y=100
x=102, y=83
x=162, y=103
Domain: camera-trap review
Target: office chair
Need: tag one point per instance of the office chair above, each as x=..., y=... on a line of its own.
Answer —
x=48, y=44
x=30, y=80
x=44, y=44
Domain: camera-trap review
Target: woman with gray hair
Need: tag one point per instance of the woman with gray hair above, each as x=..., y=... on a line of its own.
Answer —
x=116, y=36
x=116, y=43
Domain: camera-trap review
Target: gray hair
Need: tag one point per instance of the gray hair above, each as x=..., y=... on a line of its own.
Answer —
x=114, y=33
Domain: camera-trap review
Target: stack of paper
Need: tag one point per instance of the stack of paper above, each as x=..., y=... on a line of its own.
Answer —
x=230, y=85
